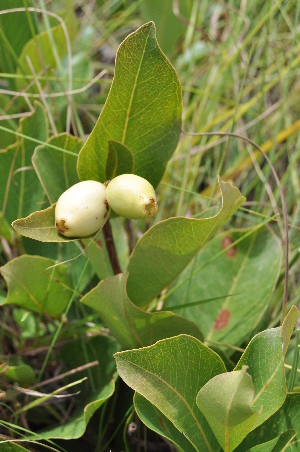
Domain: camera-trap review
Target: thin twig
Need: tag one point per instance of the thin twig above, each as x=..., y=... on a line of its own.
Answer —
x=66, y=374
x=111, y=249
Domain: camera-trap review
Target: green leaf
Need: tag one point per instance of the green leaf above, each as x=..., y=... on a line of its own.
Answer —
x=33, y=287
x=169, y=374
x=166, y=248
x=20, y=190
x=264, y=358
x=288, y=326
x=97, y=254
x=42, y=54
x=16, y=32
x=131, y=326
x=157, y=421
x=57, y=169
x=120, y=160
x=277, y=444
x=226, y=402
x=5, y=229
x=11, y=447
x=228, y=296
x=22, y=374
x=28, y=323
x=40, y=226
x=285, y=419
x=267, y=372
x=143, y=111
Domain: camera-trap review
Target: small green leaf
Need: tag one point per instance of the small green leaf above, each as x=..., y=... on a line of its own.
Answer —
x=166, y=248
x=28, y=323
x=22, y=374
x=226, y=402
x=5, y=229
x=40, y=226
x=143, y=111
x=120, y=160
x=57, y=169
x=169, y=374
x=131, y=326
x=97, y=255
x=288, y=326
x=32, y=286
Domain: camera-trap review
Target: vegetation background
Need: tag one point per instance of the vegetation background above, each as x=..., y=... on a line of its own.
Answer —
x=238, y=65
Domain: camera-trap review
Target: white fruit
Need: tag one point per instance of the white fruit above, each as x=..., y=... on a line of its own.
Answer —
x=82, y=209
x=131, y=196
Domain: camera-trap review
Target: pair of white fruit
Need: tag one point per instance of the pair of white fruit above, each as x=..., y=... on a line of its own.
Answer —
x=84, y=208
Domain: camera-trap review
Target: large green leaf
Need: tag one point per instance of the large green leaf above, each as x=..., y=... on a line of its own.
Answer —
x=267, y=372
x=131, y=326
x=33, y=286
x=166, y=248
x=285, y=419
x=170, y=374
x=157, y=421
x=143, y=110
x=57, y=169
x=226, y=402
x=20, y=190
x=16, y=31
x=238, y=285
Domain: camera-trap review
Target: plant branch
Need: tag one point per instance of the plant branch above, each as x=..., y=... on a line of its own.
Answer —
x=111, y=249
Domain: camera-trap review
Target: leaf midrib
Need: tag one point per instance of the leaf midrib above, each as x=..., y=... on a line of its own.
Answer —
x=132, y=93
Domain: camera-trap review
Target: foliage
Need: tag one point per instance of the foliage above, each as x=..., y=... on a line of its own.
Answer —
x=176, y=321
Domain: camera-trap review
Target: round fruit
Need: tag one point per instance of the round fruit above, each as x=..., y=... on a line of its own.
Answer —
x=131, y=196
x=82, y=209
